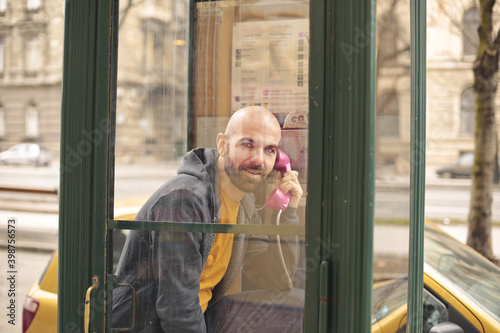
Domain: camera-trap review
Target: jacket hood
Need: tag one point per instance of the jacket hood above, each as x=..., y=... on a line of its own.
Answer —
x=200, y=163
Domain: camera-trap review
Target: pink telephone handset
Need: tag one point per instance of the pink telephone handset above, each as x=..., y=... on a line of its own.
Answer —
x=278, y=200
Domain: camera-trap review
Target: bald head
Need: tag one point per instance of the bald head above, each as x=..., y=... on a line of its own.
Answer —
x=253, y=116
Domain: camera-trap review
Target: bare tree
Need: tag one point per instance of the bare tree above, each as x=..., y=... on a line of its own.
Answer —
x=126, y=9
x=485, y=69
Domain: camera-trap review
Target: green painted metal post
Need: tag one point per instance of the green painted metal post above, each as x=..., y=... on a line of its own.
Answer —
x=315, y=198
x=417, y=177
x=83, y=167
x=342, y=88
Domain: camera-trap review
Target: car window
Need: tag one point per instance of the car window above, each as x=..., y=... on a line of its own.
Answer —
x=463, y=270
x=388, y=298
x=434, y=312
x=466, y=160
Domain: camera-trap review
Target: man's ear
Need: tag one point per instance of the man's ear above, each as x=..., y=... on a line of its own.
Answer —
x=221, y=144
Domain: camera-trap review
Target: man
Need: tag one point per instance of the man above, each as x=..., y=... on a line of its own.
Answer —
x=181, y=279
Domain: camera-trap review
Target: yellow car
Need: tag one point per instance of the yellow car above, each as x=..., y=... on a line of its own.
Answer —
x=40, y=305
x=41, y=302
x=461, y=291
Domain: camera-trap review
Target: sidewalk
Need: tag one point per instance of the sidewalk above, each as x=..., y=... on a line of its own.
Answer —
x=34, y=231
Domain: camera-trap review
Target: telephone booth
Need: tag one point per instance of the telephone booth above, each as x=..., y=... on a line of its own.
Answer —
x=146, y=82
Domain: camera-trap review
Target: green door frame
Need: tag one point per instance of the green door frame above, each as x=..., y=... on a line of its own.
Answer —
x=342, y=68
x=341, y=165
x=418, y=14
x=83, y=207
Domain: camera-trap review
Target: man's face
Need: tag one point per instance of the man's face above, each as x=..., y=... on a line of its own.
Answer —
x=250, y=158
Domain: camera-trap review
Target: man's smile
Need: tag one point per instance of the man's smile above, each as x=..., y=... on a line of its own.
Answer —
x=253, y=172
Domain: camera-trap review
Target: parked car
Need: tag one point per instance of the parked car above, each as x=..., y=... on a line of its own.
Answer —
x=40, y=304
x=26, y=153
x=460, y=169
x=460, y=291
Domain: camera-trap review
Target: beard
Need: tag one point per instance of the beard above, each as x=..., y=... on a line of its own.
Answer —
x=239, y=177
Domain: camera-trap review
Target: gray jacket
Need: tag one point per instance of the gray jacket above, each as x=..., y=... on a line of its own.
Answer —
x=164, y=267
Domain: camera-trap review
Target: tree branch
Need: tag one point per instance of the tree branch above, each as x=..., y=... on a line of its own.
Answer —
x=125, y=12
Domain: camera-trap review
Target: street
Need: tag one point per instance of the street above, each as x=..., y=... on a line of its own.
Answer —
x=440, y=203
x=444, y=198
x=446, y=201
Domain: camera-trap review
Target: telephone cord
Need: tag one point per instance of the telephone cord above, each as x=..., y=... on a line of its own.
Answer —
x=283, y=264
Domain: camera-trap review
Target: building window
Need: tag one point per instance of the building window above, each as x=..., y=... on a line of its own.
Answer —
x=33, y=5
x=467, y=112
x=155, y=50
x=388, y=115
x=2, y=123
x=2, y=56
x=470, y=38
x=32, y=121
x=33, y=59
x=3, y=7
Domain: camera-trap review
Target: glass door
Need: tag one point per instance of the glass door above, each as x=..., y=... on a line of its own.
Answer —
x=212, y=111
x=180, y=118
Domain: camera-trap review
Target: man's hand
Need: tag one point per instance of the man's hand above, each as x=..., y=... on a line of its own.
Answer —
x=289, y=184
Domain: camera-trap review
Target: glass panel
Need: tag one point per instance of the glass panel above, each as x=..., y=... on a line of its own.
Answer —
x=151, y=116
x=253, y=291
x=243, y=55
x=392, y=171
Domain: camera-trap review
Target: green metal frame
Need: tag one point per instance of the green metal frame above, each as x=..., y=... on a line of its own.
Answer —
x=341, y=164
x=83, y=208
x=417, y=173
x=342, y=111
